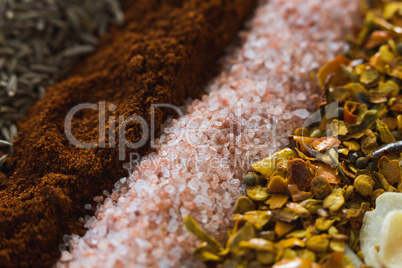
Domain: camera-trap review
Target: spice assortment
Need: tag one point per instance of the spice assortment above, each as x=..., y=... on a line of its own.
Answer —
x=330, y=198
x=304, y=205
x=199, y=173
x=166, y=52
x=39, y=42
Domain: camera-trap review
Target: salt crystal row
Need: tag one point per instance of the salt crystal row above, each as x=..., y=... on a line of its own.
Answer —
x=263, y=93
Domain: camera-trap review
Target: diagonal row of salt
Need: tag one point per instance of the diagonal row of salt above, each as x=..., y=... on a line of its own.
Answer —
x=264, y=92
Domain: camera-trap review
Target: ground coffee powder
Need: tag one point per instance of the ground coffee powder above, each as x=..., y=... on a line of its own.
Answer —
x=165, y=53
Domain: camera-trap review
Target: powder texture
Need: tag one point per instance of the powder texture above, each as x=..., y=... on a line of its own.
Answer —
x=263, y=94
x=165, y=53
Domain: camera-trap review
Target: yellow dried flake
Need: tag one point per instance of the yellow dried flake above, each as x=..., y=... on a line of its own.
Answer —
x=323, y=224
x=317, y=243
x=353, y=146
x=277, y=185
x=243, y=205
x=364, y=185
x=258, y=244
x=338, y=246
x=257, y=193
x=334, y=201
x=276, y=201
x=267, y=166
x=391, y=170
x=385, y=133
x=292, y=242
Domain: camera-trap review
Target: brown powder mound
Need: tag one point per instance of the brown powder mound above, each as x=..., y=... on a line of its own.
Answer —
x=165, y=53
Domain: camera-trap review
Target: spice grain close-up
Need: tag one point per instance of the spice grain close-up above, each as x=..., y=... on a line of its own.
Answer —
x=201, y=133
x=263, y=93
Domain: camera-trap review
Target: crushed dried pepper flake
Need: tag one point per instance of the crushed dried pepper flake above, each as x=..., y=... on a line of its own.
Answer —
x=257, y=193
x=243, y=205
x=391, y=123
x=391, y=170
x=256, y=218
x=298, y=195
x=323, y=224
x=301, y=173
x=327, y=172
x=267, y=166
x=333, y=68
x=325, y=143
x=334, y=201
x=352, y=145
x=282, y=228
x=193, y=227
x=277, y=185
x=203, y=253
x=317, y=243
x=296, y=262
x=377, y=38
x=245, y=233
x=383, y=182
x=258, y=244
x=338, y=128
x=292, y=242
x=276, y=201
x=369, y=77
x=355, y=146
x=351, y=109
x=335, y=260
x=320, y=187
x=385, y=133
x=364, y=185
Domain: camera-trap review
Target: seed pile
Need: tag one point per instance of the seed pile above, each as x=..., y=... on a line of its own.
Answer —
x=198, y=170
x=305, y=206
x=39, y=42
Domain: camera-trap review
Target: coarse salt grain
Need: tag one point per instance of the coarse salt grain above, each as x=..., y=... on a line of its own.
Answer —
x=266, y=77
x=302, y=113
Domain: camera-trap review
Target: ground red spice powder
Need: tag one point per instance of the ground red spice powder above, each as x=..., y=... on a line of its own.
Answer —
x=165, y=53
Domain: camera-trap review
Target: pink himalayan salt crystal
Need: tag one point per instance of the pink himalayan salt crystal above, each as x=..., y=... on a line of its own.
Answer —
x=261, y=95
